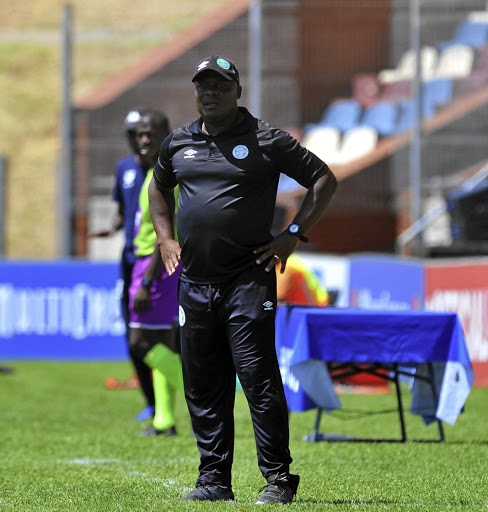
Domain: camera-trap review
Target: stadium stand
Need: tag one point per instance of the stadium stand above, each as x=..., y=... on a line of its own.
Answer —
x=405, y=69
x=311, y=85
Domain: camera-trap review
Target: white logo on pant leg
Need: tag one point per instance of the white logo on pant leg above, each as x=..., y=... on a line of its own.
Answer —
x=182, y=316
x=268, y=305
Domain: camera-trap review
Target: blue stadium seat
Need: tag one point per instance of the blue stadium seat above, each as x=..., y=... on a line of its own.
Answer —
x=436, y=92
x=407, y=115
x=382, y=117
x=468, y=33
x=343, y=115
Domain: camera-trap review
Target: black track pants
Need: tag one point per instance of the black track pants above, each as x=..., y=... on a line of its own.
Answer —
x=226, y=328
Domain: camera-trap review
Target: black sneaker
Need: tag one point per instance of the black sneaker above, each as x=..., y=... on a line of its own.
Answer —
x=281, y=488
x=205, y=492
x=153, y=431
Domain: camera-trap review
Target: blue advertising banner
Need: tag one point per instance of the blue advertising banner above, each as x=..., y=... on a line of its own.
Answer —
x=386, y=283
x=60, y=310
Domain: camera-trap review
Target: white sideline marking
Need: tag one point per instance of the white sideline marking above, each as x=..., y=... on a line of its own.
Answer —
x=92, y=462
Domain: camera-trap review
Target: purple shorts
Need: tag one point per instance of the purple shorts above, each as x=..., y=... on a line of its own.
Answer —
x=164, y=299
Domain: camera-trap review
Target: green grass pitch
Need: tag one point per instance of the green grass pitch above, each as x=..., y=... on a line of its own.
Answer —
x=67, y=444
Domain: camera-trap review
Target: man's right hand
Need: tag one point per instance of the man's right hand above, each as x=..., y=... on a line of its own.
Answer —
x=170, y=254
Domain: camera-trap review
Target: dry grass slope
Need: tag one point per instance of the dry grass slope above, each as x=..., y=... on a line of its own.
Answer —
x=109, y=36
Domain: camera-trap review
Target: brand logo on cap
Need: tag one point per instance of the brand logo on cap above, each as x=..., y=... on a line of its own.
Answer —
x=202, y=65
x=133, y=117
x=223, y=63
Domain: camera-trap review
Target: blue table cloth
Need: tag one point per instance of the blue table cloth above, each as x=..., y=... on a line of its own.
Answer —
x=306, y=337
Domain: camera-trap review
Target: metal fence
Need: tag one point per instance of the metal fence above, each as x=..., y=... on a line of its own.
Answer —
x=312, y=53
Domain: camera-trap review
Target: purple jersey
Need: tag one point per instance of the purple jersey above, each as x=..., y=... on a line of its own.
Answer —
x=129, y=177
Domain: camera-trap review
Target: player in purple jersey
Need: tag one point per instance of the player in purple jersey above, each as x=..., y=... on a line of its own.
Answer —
x=153, y=303
x=130, y=174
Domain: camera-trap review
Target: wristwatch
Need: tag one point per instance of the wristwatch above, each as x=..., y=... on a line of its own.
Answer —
x=147, y=283
x=296, y=230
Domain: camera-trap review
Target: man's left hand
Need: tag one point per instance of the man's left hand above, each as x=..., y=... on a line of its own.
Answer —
x=278, y=250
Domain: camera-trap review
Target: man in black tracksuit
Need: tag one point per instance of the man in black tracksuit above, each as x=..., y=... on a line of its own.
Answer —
x=227, y=165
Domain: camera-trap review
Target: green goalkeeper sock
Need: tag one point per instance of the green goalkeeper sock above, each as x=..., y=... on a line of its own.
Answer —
x=164, y=394
x=160, y=357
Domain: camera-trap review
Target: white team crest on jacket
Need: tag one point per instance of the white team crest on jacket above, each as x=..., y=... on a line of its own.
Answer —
x=240, y=152
x=190, y=153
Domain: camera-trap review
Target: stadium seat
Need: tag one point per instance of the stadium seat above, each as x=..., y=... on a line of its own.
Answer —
x=469, y=33
x=478, y=16
x=323, y=141
x=455, y=62
x=407, y=64
x=342, y=114
x=356, y=143
x=436, y=93
x=366, y=88
x=382, y=117
x=407, y=115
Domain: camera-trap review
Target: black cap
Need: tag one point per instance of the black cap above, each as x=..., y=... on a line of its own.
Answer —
x=220, y=65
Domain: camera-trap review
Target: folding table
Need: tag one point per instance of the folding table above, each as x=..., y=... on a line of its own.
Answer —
x=389, y=343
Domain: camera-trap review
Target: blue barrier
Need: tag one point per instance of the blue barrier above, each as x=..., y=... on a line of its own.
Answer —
x=60, y=310
x=70, y=309
x=386, y=283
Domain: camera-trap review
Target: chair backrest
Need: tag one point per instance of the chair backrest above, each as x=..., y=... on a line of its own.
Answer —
x=469, y=33
x=342, y=114
x=455, y=62
x=382, y=117
x=407, y=66
x=437, y=92
x=428, y=61
x=472, y=33
x=356, y=143
x=323, y=141
x=478, y=16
